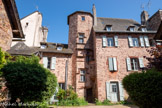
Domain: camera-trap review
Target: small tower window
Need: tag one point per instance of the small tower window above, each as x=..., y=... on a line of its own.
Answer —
x=83, y=18
x=81, y=38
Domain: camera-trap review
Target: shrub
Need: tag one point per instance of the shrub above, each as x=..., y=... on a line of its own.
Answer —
x=28, y=80
x=69, y=98
x=105, y=102
x=145, y=88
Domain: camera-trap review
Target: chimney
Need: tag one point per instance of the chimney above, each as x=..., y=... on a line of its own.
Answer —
x=144, y=17
x=94, y=16
x=45, y=33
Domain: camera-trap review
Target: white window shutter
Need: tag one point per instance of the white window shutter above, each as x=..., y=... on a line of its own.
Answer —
x=146, y=41
x=141, y=63
x=45, y=62
x=115, y=63
x=142, y=41
x=121, y=90
x=108, y=90
x=53, y=63
x=116, y=40
x=104, y=41
x=111, y=64
x=129, y=64
x=130, y=41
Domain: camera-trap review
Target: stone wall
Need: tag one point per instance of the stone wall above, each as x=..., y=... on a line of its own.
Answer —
x=121, y=53
x=59, y=70
x=5, y=29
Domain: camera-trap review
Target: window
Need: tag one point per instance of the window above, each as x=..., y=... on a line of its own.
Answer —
x=134, y=64
x=83, y=18
x=110, y=41
x=81, y=38
x=143, y=29
x=82, y=75
x=152, y=42
x=59, y=48
x=112, y=63
x=49, y=63
x=135, y=42
x=131, y=29
x=62, y=86
x=43, y=46
x=108, y=28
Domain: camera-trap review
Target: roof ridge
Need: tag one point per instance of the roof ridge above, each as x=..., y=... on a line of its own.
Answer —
x=116, y=18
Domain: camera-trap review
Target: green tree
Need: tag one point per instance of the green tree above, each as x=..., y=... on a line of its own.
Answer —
x=145, y=88
x=28, y=80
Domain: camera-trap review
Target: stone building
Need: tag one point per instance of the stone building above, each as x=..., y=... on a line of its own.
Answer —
x=10, y=26
x=99, y=54
x=33, y=30
x=105, y=50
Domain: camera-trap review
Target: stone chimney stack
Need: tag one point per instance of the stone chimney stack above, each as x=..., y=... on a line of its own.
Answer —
x=94, y=16
x=144, y=17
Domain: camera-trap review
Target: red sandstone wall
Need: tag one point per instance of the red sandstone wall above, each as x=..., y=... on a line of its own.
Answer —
x=122, y=52
x=5, y=29
x=60, y=66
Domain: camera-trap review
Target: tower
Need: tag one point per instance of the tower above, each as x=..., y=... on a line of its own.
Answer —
x=144, y=17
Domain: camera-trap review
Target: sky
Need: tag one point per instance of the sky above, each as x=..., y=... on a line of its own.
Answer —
x=55, y=12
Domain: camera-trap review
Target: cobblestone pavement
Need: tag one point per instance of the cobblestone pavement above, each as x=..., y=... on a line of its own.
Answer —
x=113, y=106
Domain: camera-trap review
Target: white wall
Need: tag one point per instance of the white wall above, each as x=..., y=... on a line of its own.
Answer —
x=32, y=28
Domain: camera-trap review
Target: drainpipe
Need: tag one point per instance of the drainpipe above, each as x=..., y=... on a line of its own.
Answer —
x=66, y=74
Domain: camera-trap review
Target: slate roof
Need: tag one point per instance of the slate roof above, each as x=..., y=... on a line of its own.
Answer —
x=22, y=49
x=52, y=47
x=118, y=25
x=159, y=32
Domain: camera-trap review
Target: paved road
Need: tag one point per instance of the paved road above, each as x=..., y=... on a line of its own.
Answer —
x=113, y=106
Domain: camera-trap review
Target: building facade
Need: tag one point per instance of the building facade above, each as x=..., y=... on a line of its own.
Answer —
x=10, y=26
x=99, y=54
x=33, y=30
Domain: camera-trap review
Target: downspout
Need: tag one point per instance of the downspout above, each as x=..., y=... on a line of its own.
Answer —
x=66, y=74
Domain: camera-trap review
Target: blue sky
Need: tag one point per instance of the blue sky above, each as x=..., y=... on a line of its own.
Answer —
x=55, y=12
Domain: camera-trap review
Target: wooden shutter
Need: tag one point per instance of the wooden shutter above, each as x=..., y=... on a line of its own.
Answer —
x=111, y=64
x=116, y=40
x=142, y=41
x=121, y=90
x=53, y=63
x=146, y=41
x=45, y=62
x=130, y=41
x=115, y=63
x=129, y=64
x=108, y=90
x=141, y=63
x=104, y=41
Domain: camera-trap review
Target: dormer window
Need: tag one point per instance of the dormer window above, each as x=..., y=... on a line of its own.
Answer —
x=131, y=29
x=43, y=46
x=59, y=48
x=143, y=29
x=108, y=28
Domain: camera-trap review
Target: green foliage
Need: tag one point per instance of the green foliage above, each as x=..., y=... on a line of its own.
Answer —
x=28, y=80
x=105, y=102
x=145, y=88
x=2, y=59
x=69, y=98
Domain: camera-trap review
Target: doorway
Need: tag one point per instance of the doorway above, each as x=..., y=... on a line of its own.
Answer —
x=114, y=91
x=89, y=95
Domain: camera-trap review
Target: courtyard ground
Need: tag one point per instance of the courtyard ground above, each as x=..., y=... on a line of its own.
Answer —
x=112, y=106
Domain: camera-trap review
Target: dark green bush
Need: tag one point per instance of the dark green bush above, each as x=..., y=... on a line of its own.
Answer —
x=145, y=89
x=28, y=80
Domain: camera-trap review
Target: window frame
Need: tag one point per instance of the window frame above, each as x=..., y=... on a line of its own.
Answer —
x=131, y=29
x=49, y=62
x=82, y=75
x=81, y=38
x=83, y=18
x=62, y=85
x=59, y=48
x=133, y=63
x=43, y=46
x=108, y=28
x=113, y=45
x=137, y=39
